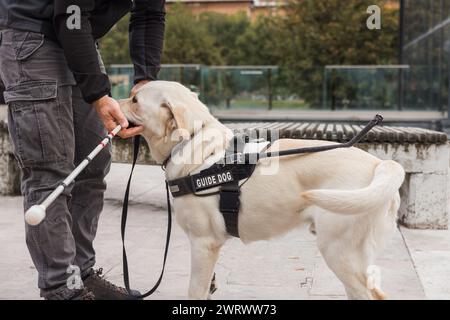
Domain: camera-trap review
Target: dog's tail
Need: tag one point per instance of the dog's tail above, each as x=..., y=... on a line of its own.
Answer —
x=386, y=181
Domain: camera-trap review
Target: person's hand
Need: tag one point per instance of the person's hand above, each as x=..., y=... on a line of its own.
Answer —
x=109, y=111
x=137, y=86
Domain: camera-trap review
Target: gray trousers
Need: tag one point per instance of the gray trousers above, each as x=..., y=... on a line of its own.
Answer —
x=52, y=130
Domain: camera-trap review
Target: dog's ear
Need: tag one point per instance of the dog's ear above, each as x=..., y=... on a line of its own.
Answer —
x=178, y=123
x=188, y=115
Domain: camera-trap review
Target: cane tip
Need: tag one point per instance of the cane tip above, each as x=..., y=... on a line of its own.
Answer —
x=35, y=215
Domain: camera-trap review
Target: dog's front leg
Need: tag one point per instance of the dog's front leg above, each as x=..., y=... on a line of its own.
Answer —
x=204, y=254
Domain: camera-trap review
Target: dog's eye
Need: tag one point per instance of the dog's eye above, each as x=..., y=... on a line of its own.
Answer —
x=134, y=100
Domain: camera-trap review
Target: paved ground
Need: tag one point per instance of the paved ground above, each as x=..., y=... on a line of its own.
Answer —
x=416, y=264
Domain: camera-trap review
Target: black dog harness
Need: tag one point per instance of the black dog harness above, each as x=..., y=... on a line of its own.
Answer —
x=225, y=174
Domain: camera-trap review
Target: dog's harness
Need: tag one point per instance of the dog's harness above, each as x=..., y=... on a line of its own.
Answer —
x=226, y=175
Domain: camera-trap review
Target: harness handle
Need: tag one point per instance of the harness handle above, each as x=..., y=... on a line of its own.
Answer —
x=375, y=121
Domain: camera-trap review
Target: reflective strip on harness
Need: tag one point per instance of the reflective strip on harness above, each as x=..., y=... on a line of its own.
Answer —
x=213, y=180
x=214, y=176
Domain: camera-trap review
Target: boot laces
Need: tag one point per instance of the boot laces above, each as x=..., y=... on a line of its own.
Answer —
x=109, y=285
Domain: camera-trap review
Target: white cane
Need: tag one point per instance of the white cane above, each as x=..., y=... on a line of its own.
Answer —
x=36, y=213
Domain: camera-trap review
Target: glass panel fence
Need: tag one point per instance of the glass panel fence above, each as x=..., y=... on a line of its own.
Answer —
x=320, y=88
x=363, y=87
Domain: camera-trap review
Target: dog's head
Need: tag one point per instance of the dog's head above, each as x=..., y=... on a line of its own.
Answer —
x=169, y=113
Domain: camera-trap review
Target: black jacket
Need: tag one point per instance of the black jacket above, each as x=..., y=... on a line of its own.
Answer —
x=97, y=18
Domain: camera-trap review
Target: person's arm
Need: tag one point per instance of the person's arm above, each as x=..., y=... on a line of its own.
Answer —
x=82, y=58
x=147, y=24
x=80, y=49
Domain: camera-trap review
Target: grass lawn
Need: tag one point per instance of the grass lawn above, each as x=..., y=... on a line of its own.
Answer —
x=264, y=105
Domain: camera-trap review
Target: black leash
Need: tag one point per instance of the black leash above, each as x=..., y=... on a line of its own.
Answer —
x=126, y=278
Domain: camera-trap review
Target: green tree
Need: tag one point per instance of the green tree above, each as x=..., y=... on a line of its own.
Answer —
x=187, y=40
x=114, y=46
x=310, y=35
x=332, y=32
x=260, y=43
x=226, y=29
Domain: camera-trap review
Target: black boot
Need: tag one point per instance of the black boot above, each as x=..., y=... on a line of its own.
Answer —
x=105, y=290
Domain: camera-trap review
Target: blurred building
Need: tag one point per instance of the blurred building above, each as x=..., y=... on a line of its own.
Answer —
x=393, y=4
x=251, y=7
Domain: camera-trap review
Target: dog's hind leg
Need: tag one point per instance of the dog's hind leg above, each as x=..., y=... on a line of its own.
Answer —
x=349, y=268
x=351, y=257
x=204, y=254
x=350, y=246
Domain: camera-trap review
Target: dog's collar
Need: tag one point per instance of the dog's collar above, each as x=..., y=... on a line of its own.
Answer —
x=165, y=162
x=177, y=146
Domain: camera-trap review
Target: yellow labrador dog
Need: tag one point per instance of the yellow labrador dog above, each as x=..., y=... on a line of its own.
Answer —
x=347, y=197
